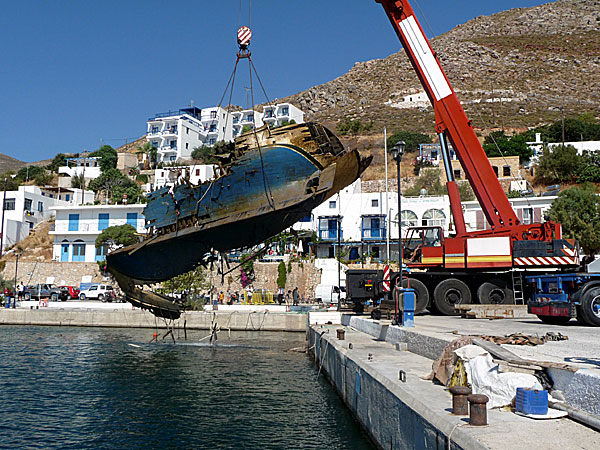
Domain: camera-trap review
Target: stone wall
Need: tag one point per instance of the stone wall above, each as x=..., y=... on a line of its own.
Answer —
x=68, y=273
x=304, y=275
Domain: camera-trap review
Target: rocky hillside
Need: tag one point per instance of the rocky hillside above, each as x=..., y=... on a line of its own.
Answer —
x=517, y=68
x=9, y=163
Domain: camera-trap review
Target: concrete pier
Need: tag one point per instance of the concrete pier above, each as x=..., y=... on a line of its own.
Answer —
x=365, y=370
x=122, y=315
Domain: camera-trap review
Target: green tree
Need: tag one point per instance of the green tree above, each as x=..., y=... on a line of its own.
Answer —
x=281, y=275
x=204, y=154
x=559, y=165
x=109, y=157
x=429, y=179
x=151, y=153
x=194, y=282
x=117, y=236
x=77, y=181
x=589, y=168
x=350, y=126
x=28, y=173
x=465, y=191
x=578, y=210
x=43, y=178
x=12, y=183
x=60, y=160
x=246, y=128
x=498, y=144
x=411, y=139
x=115, y=184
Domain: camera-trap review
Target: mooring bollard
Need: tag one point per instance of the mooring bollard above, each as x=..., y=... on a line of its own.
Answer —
x=460, y=405
x=341, y=334
x=478, y=409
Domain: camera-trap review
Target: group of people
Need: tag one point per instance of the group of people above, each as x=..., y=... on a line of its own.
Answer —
x=294, y=296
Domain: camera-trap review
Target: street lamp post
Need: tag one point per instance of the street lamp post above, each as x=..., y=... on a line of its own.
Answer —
x=17, y=253
x=397, y=152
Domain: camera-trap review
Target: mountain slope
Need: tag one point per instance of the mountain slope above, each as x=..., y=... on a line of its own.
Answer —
x=9, y=163
x=515, y=68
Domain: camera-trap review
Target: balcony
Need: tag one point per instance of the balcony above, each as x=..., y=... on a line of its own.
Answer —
x=372, y=234
x=330, y=234
x=153, y=133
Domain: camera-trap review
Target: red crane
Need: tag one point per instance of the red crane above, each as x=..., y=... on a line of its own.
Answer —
x=507, y=244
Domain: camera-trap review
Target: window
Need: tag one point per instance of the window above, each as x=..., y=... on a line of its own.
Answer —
x=375, y=203
x=527, y=216
x=375, y=252
x=332, y=204
x=30, y=224
x=250, y=118
x=154, y=143
x=285, y=111
x=78, y=251
x=41, y=206
x=173, y=144
x=331, y=252
x=27, y=206
x=9, y=204
x=434, y=217
x=154, y=129
x=103, y=221
x=172, y=158
x=212, y=128
x=132, y=219
x=187, y=145
x=67, y=197
x=409, y=219
x=73, y=222
x=212, y=141
x=307, y=218
x=101, y=253
x=197, y=172
x=506, y=171
x=495, y=170
x=187, y=130
x=213, y=114
x=457, y=174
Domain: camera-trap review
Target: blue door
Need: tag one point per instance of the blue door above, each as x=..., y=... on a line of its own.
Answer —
x=73, y=222
x=101, y=253
x=78, y=252
x=102, y=221
x=64, y=252
x=132, y=220
x=375, y=228
x=332, y=226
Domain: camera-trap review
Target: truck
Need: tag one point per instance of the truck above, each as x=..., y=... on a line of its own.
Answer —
x=485, y=266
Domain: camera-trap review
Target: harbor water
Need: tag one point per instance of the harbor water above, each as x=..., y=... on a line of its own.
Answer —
x=75, y=388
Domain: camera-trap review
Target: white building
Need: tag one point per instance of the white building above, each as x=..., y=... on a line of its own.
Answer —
x=432, y=153
x=30, y=205
x=176, y=133
x=88, y=167
x=537, y=146
x=170, y=175
x=77, y=227
x=363, y=219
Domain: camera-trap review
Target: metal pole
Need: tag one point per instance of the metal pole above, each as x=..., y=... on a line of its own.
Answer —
x=399, y=235
x=339, y=259
x=387, y=197
x=2, y=228
x=15, y=285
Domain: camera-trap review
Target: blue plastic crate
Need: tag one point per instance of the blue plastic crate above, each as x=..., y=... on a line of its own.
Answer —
x=532, y=401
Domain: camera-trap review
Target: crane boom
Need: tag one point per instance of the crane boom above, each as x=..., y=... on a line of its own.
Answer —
x=452, y=122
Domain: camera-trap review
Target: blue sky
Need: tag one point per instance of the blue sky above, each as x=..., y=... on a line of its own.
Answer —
x=76, y=72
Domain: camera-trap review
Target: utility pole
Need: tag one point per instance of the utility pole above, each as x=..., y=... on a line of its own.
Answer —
x=339, y=239
x=3, y=209
x=387, y=197
x=247, y=97
x=83, y=181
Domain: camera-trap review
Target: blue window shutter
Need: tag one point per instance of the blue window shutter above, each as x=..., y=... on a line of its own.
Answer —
x=132, y=219
x=103, y=221
x=73, y=222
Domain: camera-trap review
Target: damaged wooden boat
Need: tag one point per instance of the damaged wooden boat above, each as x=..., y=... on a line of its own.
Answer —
x=266, y=181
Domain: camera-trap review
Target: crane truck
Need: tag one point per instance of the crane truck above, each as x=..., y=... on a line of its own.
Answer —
x=509, y=260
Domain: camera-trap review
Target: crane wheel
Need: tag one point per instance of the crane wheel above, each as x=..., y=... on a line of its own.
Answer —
x=495, y=292
x=449, y=293
x=421, y=293
x=589, y=310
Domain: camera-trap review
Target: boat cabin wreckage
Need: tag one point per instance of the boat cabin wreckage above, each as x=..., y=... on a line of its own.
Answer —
x=267, y=180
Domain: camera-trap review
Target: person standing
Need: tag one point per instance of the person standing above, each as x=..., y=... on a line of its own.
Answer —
x=296, y=296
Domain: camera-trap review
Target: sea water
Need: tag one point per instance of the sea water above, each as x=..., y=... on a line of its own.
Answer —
x=77, y=388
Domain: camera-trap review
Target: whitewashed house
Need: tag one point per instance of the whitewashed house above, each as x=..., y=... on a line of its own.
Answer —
x=30, y=205
x=77, y=227
x=86, y=166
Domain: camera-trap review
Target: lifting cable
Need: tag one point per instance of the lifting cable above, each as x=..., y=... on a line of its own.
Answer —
x=243, y=38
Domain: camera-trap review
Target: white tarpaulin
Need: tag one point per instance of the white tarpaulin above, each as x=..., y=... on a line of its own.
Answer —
x=484, y=377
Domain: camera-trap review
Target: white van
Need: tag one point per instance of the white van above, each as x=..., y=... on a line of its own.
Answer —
x=328, y=294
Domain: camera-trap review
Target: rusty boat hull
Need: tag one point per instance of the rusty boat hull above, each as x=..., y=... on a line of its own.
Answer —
x=270, y=180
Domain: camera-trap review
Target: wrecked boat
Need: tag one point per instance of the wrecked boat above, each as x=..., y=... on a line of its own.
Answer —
x=266, y=181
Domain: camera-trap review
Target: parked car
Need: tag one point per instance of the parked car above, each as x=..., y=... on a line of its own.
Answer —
x=328, y=294
x=40, y=291
x=102, y=292
x=69, y=292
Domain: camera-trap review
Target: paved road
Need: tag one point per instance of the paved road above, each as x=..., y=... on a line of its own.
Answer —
x=582, y=348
